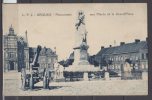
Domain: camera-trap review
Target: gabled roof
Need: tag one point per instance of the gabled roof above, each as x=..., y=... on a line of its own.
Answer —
x=49, y=51
x=44, y=51
x=125, y=48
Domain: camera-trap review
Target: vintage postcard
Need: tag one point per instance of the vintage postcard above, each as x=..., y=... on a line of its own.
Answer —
x=75, y=49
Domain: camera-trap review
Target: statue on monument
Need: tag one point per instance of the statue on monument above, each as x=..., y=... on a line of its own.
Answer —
x=80, y=19
x=85, y=37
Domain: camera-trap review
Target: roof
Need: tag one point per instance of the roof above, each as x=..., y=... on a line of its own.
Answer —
x=32, y=49
x=11, y=31
x=44, y=51
x=125, y=48
x=71, y=55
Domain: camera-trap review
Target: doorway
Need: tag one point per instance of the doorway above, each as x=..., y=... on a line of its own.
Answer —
x=11, y=65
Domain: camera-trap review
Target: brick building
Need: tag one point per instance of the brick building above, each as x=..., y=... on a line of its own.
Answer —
x=136, y=53
x=46, y=59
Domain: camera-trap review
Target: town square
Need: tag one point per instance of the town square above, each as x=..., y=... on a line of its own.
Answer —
x=65, y=65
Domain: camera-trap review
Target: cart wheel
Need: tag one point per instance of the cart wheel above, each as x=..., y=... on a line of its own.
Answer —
x=44, y=82
x=27, y=82
x=48, y=81
x=23, y=83
x=31, y=83
x=23, y=79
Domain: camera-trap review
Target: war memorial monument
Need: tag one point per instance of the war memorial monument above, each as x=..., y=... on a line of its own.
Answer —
x=81, y=63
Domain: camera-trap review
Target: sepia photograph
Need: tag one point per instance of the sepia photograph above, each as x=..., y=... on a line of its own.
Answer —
x=75, y=49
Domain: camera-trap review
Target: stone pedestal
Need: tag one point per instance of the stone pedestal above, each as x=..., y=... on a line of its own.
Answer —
x=85, y=76
x=144, y=75
x=106, y=77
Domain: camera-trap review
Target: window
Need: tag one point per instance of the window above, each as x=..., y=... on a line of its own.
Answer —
x=118, y=67
x=144, y=66
x=49, y=65
x=24, y=56
x=136, y=58
x=111, y=59
x=122, y=58
x=112, y=67
x=146, y=55
x=31, y=59
x=116, y=58
x=5, y=55
x=49, y=60
x=142, y=56
x=11, y=55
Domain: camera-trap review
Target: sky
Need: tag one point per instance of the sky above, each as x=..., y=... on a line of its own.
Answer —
x=105, y=23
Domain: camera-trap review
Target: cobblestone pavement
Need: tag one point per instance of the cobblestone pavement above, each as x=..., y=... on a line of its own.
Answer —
x=98, y=87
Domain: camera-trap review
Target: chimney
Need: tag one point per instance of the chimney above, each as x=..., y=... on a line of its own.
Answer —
x=102, y=47
x=122, y=43
x=137, y=40
x=110, y=45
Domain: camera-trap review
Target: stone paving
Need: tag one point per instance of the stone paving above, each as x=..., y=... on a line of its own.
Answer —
x=97, y=87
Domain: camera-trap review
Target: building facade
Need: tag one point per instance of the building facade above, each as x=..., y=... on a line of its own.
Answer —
x=47, y=57
x=15, y=51
x=115, y=58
